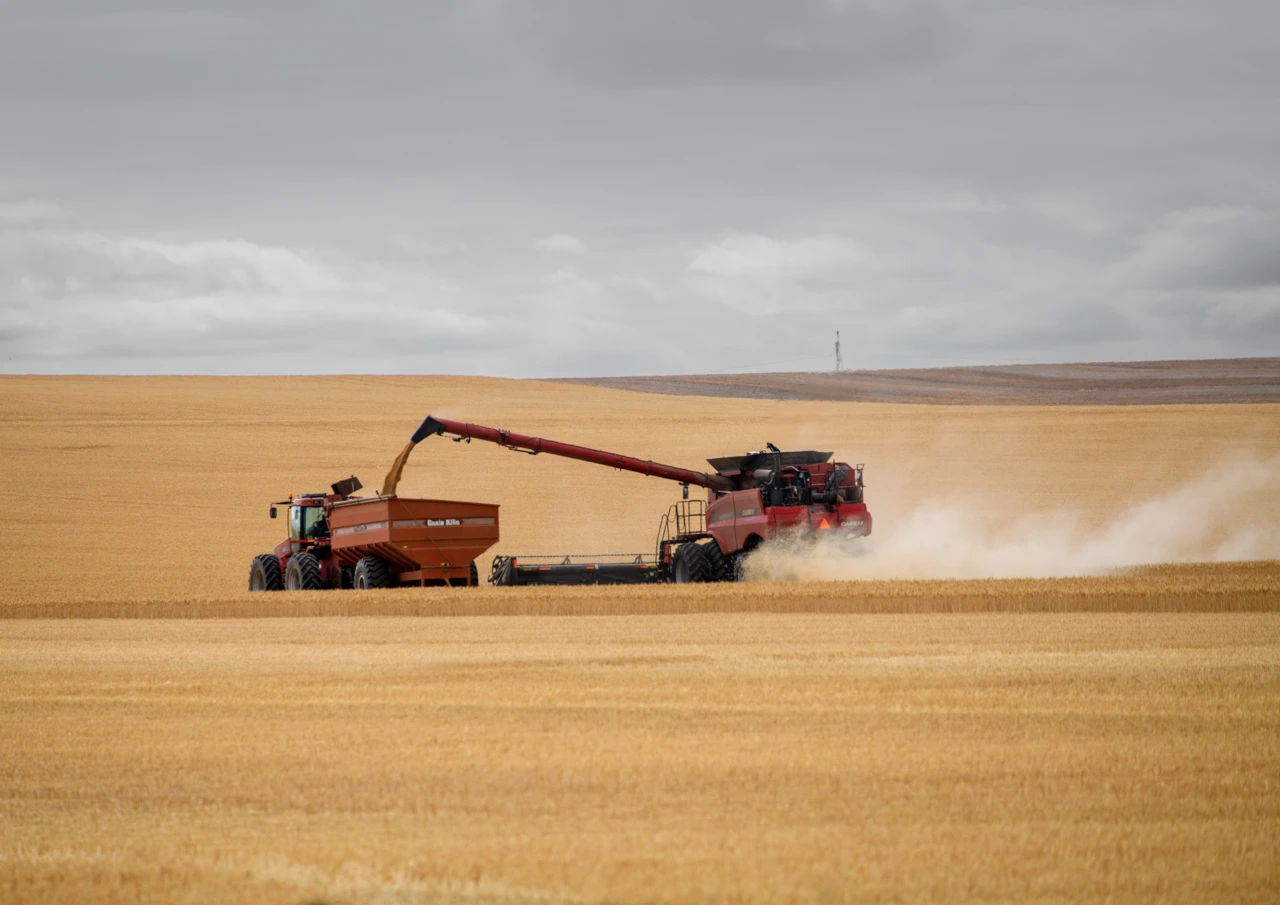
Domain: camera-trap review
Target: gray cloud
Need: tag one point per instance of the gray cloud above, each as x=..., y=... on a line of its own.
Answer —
x=404, y=186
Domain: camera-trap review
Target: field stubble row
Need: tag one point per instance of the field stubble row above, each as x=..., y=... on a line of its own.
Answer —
x=1185, y=588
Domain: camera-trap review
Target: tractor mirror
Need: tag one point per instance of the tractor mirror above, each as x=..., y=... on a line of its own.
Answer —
x=273, y=511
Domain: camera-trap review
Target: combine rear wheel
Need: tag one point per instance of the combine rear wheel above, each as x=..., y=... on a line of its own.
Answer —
x=264, y=574
x=689, y=565
x=372, y=572
x=303, y=573
x=721, y=566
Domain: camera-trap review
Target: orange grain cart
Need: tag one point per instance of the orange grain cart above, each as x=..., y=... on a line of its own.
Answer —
x=423, y=541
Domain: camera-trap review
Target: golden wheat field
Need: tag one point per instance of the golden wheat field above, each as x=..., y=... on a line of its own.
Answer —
x=156, y=489
x=1037, y=689
x=693, y=759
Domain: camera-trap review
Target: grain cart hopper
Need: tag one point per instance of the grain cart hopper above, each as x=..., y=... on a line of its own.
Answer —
x=337, y=540
x=750, y=499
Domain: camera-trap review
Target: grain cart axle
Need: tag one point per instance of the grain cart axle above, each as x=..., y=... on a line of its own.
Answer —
x=750, y=499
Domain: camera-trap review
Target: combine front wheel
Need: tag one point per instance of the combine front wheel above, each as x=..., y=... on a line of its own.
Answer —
x=303, y=573
x=264, y=574
x=689, y=565
x=721, y=566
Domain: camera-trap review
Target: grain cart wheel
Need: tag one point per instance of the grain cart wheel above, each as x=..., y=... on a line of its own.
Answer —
x=721, y=566
x=303, y=573
x=264, y=574
x=372, y=572
x=689, y=564
x=475, y=575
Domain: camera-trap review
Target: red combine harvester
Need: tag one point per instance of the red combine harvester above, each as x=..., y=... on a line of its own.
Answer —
x=750, y=499
x=340, y=541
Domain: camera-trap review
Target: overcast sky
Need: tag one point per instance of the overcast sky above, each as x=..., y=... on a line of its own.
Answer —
x=592, y=188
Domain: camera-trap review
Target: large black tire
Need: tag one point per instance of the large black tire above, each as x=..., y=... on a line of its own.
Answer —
x=475, y=575
x=264, y=574
x=721, y=565
x=303, y=573
x=372, y=572
x=689, y=565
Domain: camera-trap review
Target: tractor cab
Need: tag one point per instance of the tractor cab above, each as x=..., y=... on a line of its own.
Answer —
x=309, y=523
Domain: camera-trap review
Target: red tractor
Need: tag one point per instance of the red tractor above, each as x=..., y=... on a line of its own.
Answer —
x=750, y=499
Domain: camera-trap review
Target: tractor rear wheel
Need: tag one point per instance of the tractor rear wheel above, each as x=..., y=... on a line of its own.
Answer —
x=264, y=574
x=721, y=566
x=689, y=565
x=372, y=572
x=303, y=573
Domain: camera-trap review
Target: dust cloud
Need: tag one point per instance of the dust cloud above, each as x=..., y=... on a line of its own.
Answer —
x=1231, y=513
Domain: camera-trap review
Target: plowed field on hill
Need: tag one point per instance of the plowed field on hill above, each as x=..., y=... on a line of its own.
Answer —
x=1235, y=380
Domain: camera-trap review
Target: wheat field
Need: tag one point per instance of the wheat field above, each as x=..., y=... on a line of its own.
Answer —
x=156, y=489
x=746, y=758
x=1100, y=723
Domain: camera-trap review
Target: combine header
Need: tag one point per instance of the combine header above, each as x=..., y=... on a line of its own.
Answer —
x=750, y=499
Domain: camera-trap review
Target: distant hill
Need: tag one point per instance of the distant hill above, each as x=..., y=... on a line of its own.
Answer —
x=1235, y=380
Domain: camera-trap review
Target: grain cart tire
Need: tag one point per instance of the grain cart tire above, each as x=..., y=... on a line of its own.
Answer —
x=689, y=565
x=721, y=566
x=264, y=574
x=303, y=573
x=372, y=572
x=475, y=575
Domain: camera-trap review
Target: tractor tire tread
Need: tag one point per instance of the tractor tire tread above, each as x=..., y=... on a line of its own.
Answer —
x=272, y=580
x=307, y=569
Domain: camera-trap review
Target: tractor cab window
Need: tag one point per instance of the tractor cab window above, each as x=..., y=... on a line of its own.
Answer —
x=307, y=523
x=314, y=524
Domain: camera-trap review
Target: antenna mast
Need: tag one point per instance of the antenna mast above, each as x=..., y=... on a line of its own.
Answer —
x=839, y=360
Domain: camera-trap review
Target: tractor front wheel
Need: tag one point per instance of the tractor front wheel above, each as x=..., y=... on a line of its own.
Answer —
x=689, y=565
x=372, y=572
x=303, y=573
x=264, y=574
